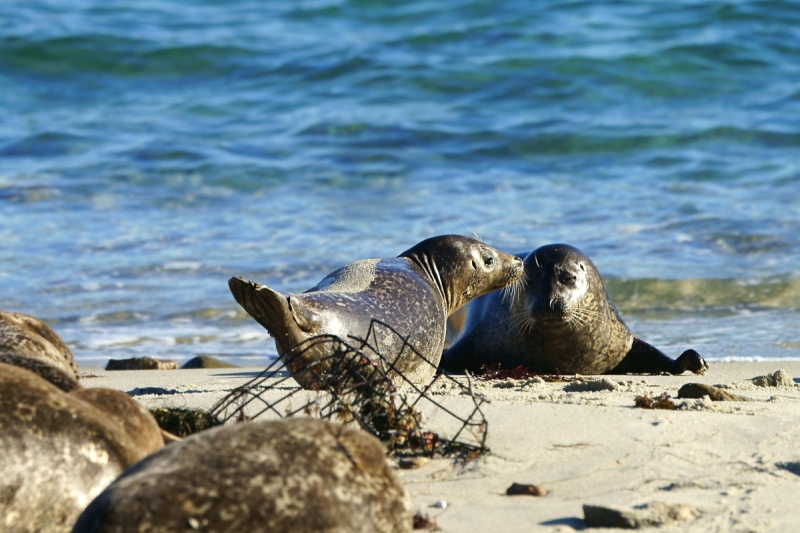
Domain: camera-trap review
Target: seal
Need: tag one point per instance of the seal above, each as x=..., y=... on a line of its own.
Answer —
x=562, y=321
x=27, y=342
x=293, y=474
x=413, y=293
x=59, y=450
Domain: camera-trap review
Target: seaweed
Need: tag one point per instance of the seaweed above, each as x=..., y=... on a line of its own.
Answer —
x=183, y=422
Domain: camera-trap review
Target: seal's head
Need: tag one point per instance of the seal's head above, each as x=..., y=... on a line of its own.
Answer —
x=462, y=268
x=563, y=287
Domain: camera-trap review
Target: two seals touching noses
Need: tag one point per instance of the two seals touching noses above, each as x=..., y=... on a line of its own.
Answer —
x=413, y=293
x=562, y=321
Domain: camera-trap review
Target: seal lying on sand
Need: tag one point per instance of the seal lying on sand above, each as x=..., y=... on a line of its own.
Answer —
x=60, y=450
x=293, y=474
x=563, y=321
x=27, y=342
x=413, y=293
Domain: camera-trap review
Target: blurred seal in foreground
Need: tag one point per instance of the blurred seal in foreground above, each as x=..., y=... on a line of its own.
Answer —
x=29, y=343
x=279, y=476
x=58, y=450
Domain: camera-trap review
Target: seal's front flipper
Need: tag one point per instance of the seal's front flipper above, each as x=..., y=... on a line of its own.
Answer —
x=461, y=357
x=644, y=358
x=270, y=309
x=692, y=361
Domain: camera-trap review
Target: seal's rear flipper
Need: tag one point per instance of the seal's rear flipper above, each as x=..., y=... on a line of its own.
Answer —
x=644, y=358
x=269, y=308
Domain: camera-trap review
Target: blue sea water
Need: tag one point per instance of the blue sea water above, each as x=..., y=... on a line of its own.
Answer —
x=150, y=150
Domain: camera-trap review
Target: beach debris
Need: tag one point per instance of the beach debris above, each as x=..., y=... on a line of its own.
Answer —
x=154, y=391
x=423, y=521
x=182, y=422
x=355, y=388
x=602, y=384
x=661, y=402
x=652, y=514
x=777, y=379
x=439, y=504
x=522, y=489
x=791, y=466
x=412, y=463
x=206, y=361
x=699, y=390
x=141, y=363
x=495, y=371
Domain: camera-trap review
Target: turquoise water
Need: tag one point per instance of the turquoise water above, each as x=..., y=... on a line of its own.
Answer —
x=150, y=150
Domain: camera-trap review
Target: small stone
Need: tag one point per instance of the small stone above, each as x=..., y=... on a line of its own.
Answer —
x=603, y=384
x=411, y=463
x=441, y=504
x=521, y=489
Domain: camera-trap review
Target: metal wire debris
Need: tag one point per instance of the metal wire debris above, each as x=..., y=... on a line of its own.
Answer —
x=355, y=387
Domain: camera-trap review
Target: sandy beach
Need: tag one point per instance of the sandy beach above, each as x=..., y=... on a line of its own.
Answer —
x=586, y=443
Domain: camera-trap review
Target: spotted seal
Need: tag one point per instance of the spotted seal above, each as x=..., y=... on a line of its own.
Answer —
x=27, y=342
x=413, y=293
x=59, y=450
x=293, y=474
x=563, y=321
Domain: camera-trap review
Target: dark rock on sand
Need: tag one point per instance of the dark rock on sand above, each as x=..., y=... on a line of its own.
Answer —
x=204, y=361
x=698, y=390
x=140, y=363
x=276, y=476
x=653, y=514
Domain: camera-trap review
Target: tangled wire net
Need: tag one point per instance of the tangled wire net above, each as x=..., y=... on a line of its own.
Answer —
x=358, y=386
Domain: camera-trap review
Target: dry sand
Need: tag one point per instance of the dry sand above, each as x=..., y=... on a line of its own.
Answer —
x=737, y=463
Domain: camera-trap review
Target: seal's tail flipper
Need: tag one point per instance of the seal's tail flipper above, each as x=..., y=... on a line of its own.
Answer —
x=269, y=308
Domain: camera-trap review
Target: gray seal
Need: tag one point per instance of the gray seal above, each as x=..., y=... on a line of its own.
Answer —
x=288, y=475
x=413, y=293
x=59, y=450
x=562, y=321
x=27, y=342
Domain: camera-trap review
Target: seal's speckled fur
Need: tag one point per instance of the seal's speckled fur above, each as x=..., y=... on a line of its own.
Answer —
x=413, y=293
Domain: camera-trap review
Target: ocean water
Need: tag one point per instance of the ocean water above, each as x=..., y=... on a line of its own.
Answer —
x=150, y=150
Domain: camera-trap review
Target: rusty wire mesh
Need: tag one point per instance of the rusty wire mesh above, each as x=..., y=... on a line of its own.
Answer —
x=360, y=385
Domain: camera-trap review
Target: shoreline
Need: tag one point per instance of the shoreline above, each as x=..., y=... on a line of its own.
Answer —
x=727, y=459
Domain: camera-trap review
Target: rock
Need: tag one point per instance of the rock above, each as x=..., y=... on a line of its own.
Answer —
x=292, y=474
x=777, y=379
x=411, y=463
x=59, y=450
x=698, y=390
x=204, y=361
x=140, y=363
x=602, y=384
x=653, y=514
x=23, y=337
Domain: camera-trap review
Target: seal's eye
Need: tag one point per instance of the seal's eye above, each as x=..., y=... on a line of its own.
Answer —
x=489, y=261
x=567, y=279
